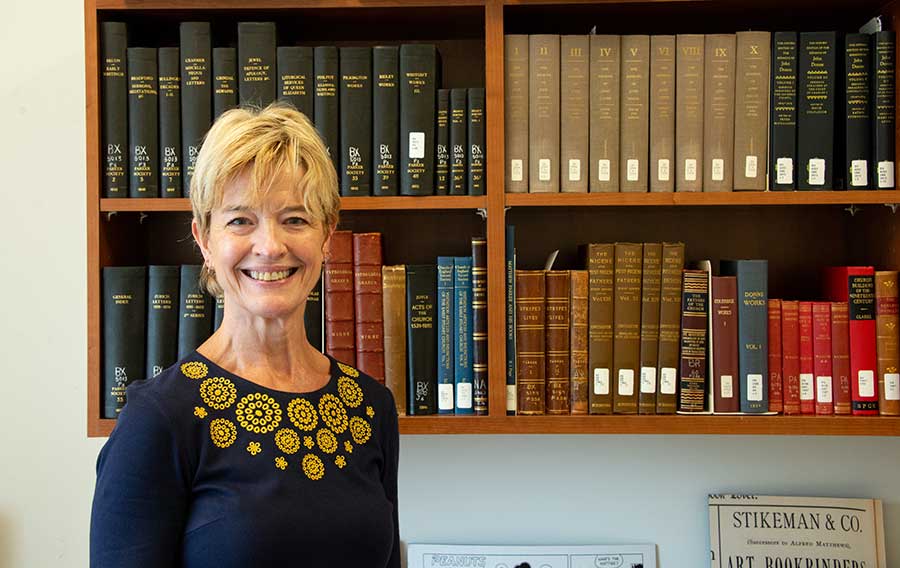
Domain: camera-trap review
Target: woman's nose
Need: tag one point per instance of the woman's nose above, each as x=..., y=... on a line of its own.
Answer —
x=269, y=241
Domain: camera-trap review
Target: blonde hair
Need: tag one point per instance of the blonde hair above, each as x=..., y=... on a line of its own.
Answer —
x=273, y=142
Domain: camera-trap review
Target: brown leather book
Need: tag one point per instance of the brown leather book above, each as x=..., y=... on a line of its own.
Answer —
x=651, y=279
x=723, y=309
x=601, y=283
x=604, y=122
x=574, y=113
x=530, y=329
x=718, y=113
x=689, y=112
x=543, y=113
x=515, y=86
x=840, y=357
x=751, y=112
x=627, y=327
x=369, y=311
x=790, y=355
x=479, y=327
x=393, y=285
x=634, y=143
x=578, y=341
x=776, y=382
x=662, y=113
x=887, y=345
x=669, y=327
x=340, y=331
x=557, y=341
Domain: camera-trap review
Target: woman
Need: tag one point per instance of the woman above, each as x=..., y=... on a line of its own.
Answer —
x=256, y=450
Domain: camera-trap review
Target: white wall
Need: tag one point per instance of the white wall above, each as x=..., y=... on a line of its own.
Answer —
x=490, y=489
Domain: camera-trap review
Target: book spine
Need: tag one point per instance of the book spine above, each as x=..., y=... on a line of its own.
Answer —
x=887, y=323
x=790, y=355
x=815, y=114
x=421, y=338
x=479, y=326
x=651, y=275
x=883, y=107
x=386, y=115
x=783, y=124
x=857, y=112
x=515, y=94
x=718, y=113
x=313, y=317
x=511, y=320
x=368, y=309
x=605, y=110
x=356, y=121
x=295, y=78
x=442, y=136
x=195, y=311
x=578, y=341
x=724, y=315
x=574, y=106
x=751, y=111
x=162, y=318
x=601, y=282
x=196, y=95
x=124, y=313
x=669, y=327
x=169, y=122
x=530, y=330
x=662, y=113
x=256, y=63
x=224, y=80
x=337, y=283
x=556, y=340
x=634, y=144
x=627, y=326
x=418, y=86
x=840, y=357
x=543, y=113
x=695, y=300
x=689, y=92
x=807, y=361
x=393, y=280
x=325, y=99
x=114, y=100
x=462, y=341
x=143, y=136
x=476, y=164
x=776, y=378
x=446, y=335
x=822, y=357
x=219, y=312
x=753, y=324
x=458, y=142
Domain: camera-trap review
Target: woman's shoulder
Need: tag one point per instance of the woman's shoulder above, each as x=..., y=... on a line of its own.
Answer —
x=372, y=390
x=172, y=389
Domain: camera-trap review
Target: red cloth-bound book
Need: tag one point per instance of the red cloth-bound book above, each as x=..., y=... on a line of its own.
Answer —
x=807, y=361
x=776, y=388
x=822, y=357
x=840, y=357
x=790, y=355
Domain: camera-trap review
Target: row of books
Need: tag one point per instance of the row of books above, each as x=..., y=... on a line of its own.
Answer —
x=389, y=129
x=689, y=112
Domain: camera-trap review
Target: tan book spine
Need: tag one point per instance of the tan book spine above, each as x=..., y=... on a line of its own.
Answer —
x=515, y=86
x=651, y=280
x=751, y=110
x=578, y=341
x=393, y=281
x=718, y=113
x=887, y=344
x=530, y=329
x=662, y=113
x=669, y=327
x=601, y=284
x=557, y=341
x=574, y=112
x=689, y=113
x=634, y=147
x=543, y=113
x=604, y=122
x=627, y=327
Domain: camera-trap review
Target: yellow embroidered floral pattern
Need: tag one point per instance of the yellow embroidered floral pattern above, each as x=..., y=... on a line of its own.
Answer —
x=303, y=414
x=287, y=441
x=360, y=430
x=308, y=442
x=340, y=462
x=348, y=370
x=326, y=440
x=313, y=467
x=218, y=392
x=199, y=412
x=223, y=432
x=370, y=412
x=348, y=447
x=350, y=392
x=254, y=448
x=194, y=369
x=258, y=413
x=333, y=413
x=281, y=463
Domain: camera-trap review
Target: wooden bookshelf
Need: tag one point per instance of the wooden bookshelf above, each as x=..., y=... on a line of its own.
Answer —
x=699, y=199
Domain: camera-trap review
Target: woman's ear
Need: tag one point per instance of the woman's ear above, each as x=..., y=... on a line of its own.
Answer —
x=201, y=240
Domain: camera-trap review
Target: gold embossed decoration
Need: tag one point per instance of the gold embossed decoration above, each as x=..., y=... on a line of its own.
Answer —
x=287, y=441
x=313, y=467
x=360, y=430
x=258, y=413
x=218, y=392
x=333, y=413
x=194, y=369
x=348, y=370
x=303, y=414
x=222, y=432
x=326, y=440
x=350, y=392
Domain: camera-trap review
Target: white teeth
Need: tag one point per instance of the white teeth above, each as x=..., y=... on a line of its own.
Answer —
x=269, y=276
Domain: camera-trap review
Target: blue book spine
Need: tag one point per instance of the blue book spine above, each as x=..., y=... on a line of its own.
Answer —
x=510, y=320
x=753, y=331
x=445, y=334
x=463, y=342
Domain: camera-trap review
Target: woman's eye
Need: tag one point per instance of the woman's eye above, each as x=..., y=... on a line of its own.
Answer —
x=296, y=221
x=239, y=221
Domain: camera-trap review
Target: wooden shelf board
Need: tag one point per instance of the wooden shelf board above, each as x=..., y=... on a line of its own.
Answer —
x=347, y=203
x=691, y=199
x=276, y=4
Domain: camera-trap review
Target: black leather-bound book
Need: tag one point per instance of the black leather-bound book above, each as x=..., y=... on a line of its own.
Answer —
x=196, y=95
x=256, y=63
x=815, y=111
x=418, y=85
x=325, y=99
x=355, y=90
x=386, y=119
x=143, y=109
x=114, y=108
x=421, y=339
x=312, y=317
x=169, y=122
x=475, y=154
x=442, y=134
x=124, y=318
x=218, y=312
x=295, y=78
x=162, y=318
x=458, y=142
x=857, y=113
x=224, y=62
x=883, y=108
x=783, y=167
x=195, y=311
x=479, y=325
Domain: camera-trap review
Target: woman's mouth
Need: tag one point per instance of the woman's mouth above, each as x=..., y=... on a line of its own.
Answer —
x=272, y=276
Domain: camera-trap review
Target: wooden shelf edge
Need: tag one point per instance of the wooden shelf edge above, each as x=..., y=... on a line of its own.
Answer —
x=277, y=4
x=110, y=205
x=701, y=199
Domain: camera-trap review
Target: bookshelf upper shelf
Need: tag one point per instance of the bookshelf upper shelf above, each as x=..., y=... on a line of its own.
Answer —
x=690, y=199
x=347, y=203
x=275, y=4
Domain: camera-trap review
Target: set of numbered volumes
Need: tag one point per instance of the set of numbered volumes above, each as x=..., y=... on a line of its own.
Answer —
x=688, y=112
x=388, y=126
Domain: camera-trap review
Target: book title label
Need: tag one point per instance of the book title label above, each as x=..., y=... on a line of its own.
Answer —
x=859, y=173
x=517, y=170
x=750, y=167
x=754, y=387
x=667, y=380
x=574, y=170
x=690, y=169
x=885, y=175
x=633, y=168
x=544, y=169
x=718, y=169
x=603, y=170
x=806, y=386
x=626, y=382
x=784, y=171
x=662, y=170
x=816, y=171
x=648, y=380
x=417, y=145
x=726, y=383
x=866, y=382
x=823, y=390
x=601, y=381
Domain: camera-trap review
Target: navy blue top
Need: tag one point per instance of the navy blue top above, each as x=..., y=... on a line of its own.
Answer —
x=205, y=468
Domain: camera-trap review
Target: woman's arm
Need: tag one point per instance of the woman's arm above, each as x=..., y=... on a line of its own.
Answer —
x=389, y=476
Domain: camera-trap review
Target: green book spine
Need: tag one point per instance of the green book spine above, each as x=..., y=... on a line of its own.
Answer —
x=124, y=315
x=418, y=86
x=295, y=78
x=458, y=131
x=256, y=63
x=442, y=156
x=196, y=95
x=356, y=121
x=169, y=122
x=143, y=109
x=195, y=311
x=386, y=119
x=114, y=98
x=313, y=319
x=224, y=61
x=421, y=347
x=476, y=164
x=162, y=318
x=325, y=99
